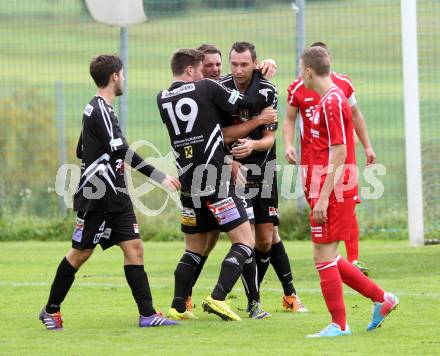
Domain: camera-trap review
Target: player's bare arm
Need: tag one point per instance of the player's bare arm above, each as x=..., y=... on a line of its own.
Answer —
x=246, y=146
x=289, y=133
x=233, y=133
x=360, y=127
x=338, y=156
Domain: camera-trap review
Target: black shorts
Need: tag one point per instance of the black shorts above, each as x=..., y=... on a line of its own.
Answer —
x=107, y=229
x=265, y=202
x=212, y=213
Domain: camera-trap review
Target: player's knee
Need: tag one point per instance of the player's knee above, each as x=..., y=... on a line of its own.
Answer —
x=77, y=257
x=264, y=245
x=133, y=251
x=137, y=249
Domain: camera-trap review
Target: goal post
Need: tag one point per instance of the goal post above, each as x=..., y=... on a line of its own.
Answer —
x=412, y=122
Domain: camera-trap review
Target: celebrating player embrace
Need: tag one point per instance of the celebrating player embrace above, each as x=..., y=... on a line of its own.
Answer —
x=191, y=109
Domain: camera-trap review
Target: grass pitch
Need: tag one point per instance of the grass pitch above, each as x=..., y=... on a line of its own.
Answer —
x=100, y=315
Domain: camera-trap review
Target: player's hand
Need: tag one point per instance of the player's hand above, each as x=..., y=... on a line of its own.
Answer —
x=291, y=154
x=320, y=211
x=243, y=148
x=238, y=174
x=171, y=183
x=268, y=68
x=370, y=156
x=268, y=116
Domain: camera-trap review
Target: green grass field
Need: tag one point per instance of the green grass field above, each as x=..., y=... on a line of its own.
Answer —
x=100, y=315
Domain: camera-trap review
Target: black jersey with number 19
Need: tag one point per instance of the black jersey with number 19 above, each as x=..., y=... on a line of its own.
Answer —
x=192, y=112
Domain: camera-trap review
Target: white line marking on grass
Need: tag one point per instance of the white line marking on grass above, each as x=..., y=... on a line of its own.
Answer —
x=302, y=291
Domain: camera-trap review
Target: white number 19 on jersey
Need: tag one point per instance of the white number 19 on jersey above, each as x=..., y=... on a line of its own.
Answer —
x=190, y=117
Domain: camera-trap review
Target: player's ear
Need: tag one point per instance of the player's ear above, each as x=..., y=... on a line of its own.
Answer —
x=114, y=77
x=189, y=70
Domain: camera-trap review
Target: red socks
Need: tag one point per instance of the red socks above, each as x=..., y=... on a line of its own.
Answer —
x=352, y=245
x=356, y=280
x=331, y=286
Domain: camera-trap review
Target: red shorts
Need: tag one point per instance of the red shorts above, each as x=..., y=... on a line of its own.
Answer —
x=339, y=221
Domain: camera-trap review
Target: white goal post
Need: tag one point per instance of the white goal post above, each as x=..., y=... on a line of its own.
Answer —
x=412, y=122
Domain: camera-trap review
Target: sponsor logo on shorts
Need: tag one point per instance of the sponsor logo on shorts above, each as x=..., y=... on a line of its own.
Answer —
x=188, y=217
x=225, y=211
x=273, y=211
x=78, y=231
x=136, y=228
x=250, y=213
x=316, y=231
x=102, y=235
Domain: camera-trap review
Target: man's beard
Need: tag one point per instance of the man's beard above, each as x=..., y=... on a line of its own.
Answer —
x=118, y=91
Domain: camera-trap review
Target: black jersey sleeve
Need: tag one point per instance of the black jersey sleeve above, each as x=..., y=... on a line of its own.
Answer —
x=107, y=128
x=137, y=162
x=272, y=100
x=79, y=147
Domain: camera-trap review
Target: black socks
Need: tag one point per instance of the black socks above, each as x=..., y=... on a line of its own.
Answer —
x=281, y=265
x=138, y=281
x=184, y=276
x=231, y=269
x=62, y=282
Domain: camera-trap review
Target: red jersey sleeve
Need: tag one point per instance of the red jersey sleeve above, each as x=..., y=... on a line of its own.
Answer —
x=345, y=84
x=292, y=99
x=334, y=119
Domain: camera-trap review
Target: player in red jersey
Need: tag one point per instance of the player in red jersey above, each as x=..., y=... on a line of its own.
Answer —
x=302, y=102
x=333, y=195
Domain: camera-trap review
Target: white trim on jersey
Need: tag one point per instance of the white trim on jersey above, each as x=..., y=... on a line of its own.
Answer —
x=328, y=132
x=213, y=133
x=352, y=100
x=295, y=89
x=214, y=147
x=265, y=81
x=343, y=79
x=111, y=170
x=103, y=157
x=108, y=179
x=105, y=115
x=301, y=124
x=340, y=116
x=99, y=168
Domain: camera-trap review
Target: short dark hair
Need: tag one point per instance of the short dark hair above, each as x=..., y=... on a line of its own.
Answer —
x=209, y=49
x=183, y=58
x=322, y=45
x=317, y=59
x=103, y=66
x=241, y=47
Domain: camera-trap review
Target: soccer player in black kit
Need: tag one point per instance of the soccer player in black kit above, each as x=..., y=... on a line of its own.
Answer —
x=105, y=212
x=212, y=64
x=257, y=152
x=191, y=109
